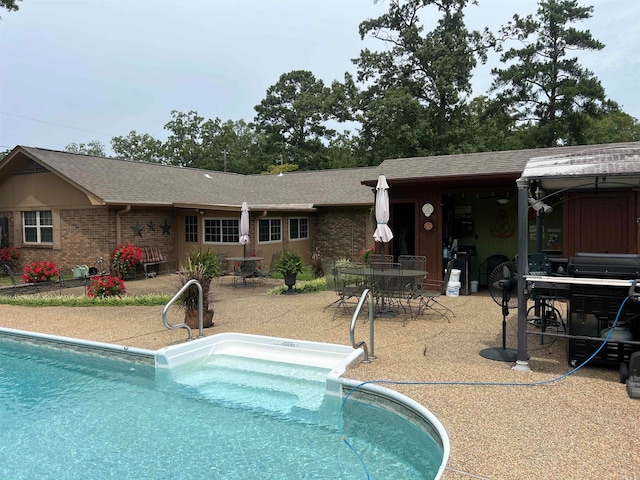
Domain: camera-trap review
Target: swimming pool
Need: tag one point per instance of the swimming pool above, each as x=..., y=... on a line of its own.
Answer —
x=67, y=415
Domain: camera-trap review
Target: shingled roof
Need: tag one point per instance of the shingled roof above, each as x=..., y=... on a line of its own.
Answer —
x=483, y=164
x=117, y=182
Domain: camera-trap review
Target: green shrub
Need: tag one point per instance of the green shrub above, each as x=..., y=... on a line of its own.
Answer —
x=290, y=262
x=207, y=258
x=303, y=286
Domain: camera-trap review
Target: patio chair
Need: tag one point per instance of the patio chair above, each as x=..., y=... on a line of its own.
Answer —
x=390, y=286
x=15, y=284
x=244, y=274
x=428, y=292
x=347, y=286
x=414, y=262
x=263, y=273
x=380, y=258
x=225, y=271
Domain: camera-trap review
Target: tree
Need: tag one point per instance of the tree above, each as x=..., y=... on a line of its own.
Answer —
x=420, y=82
x=235, y=146
x=10, y=5
x=293, y=116
x=195, y=142
x=186, y=145
x=611, y=127
x=143, y=148
x=93, y=148
x=488, y=126
x=546, y=88
x=341, y=151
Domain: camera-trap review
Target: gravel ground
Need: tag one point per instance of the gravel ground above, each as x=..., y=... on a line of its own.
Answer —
x=583, y=426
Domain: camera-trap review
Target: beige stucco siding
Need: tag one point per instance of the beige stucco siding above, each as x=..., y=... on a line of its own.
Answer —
x=38, y=190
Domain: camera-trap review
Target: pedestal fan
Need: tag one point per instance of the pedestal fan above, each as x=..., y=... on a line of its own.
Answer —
x=503, y=287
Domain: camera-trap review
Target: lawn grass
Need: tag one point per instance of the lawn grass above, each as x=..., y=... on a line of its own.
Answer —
x=76, y=301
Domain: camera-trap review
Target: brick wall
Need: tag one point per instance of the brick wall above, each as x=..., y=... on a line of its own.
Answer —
x=86, y=234
x=341, y=232
x=151, y=226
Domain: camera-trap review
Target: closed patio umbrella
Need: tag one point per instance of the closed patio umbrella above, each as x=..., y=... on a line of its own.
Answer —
x=244, y=228
x=383, y=232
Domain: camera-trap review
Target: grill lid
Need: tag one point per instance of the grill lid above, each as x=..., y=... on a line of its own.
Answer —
x=605, y=265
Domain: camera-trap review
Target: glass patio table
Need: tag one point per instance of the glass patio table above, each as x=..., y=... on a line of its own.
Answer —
x=244, y=268
x=379, y=280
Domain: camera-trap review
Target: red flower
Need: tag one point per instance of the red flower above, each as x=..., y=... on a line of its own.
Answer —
x=108, y=286
x=124, y=258
x=8, y=255
x=40, y=272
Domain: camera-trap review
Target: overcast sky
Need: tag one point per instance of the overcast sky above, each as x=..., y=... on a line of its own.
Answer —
x=82, y=70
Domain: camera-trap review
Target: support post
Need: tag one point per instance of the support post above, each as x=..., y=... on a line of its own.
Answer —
x=522, y=362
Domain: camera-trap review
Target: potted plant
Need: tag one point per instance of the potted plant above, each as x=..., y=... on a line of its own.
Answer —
x=202, y=265
x=290, y=264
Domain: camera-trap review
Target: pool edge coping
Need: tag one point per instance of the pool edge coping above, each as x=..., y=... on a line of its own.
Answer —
x=336, y=382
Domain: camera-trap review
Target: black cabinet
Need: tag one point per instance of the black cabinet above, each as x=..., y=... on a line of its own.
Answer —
x=467, y=263
x=592, y=311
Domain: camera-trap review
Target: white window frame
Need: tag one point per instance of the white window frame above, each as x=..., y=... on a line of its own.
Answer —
x=299, y=237
x=232, y=238
x=40, y=225
x=271, y=233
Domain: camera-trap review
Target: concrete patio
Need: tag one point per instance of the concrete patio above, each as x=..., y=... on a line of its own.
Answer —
x=583, y=426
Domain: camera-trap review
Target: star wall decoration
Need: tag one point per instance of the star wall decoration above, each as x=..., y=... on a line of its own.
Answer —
x=166, y=226
x=151, y=226
x=137, y=229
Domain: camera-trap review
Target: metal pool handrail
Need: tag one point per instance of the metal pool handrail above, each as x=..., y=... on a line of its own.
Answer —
x=184, y=325
x=367, y=356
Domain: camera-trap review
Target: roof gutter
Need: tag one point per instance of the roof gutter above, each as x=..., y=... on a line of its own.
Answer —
x=119, y=213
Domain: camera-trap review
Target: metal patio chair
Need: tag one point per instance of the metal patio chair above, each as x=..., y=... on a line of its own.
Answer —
x=428, y=292
x=348, y=286
x=263, y=273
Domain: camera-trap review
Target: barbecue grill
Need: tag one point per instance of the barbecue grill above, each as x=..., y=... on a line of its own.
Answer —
x=594, y=305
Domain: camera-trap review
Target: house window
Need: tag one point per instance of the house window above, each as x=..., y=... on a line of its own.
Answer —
x=37, y=227
x=298, y=228
x=221, y=230
x=191, y=228
x=270, y=230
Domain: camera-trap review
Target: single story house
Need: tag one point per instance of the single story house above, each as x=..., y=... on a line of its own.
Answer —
x=72, y=208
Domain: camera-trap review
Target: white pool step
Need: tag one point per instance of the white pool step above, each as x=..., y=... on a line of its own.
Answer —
x=275, y=387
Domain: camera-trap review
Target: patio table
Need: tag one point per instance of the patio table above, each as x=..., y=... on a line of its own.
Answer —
x=243, y=272
x=372, y=278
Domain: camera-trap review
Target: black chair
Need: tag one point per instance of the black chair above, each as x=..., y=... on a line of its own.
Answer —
x=428, y=292
x=348, y=286
x=390, y=286
x=265, y=273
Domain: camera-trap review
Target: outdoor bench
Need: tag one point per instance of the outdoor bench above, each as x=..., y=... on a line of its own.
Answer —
x=151, y=255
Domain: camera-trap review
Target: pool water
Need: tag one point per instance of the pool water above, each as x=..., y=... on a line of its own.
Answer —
x=65, y=416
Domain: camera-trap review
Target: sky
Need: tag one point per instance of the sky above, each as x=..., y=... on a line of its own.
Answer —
x=83, y=70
